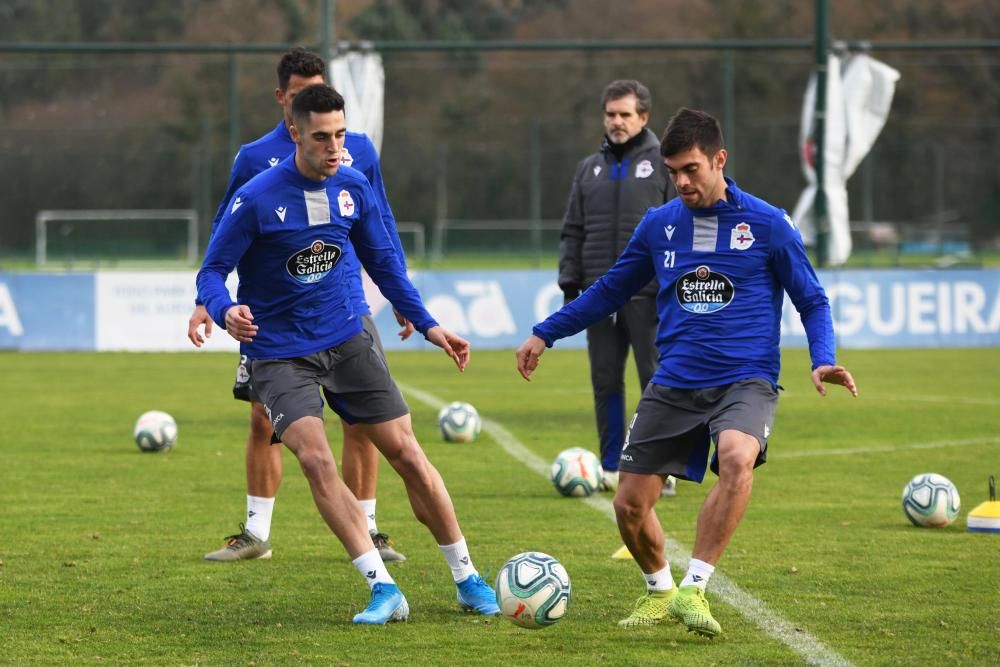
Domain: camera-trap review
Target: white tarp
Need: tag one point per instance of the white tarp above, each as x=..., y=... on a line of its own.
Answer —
x=360, y=78
x=858, y=97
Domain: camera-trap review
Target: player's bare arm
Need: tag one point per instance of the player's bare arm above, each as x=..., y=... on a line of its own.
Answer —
x=528, y=356
x=833, y=375
x=453, y=345
x=199, y=317
x=239, y=323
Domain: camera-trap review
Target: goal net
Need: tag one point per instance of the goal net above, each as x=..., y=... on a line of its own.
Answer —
x=116, y=236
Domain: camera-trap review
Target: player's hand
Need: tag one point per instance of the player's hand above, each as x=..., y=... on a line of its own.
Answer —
x=239, y=323
x=833, y=375
x=454, y=346
x=407, y=325
x=528, y=356
x=198, y=317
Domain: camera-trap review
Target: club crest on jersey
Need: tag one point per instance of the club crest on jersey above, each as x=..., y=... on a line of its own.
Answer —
x=742, y=238
x=704, y=291
x=643, y=169
x=345, y=203
x=346, y=158
x=311, y=264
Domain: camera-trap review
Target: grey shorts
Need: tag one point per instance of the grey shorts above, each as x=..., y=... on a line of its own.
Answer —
x=242, y=390
x=353, y=376
x=672, y=430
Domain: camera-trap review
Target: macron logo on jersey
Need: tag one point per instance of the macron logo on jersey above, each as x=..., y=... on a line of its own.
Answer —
x=236, y=204
x=271, y=161
x=280, y=211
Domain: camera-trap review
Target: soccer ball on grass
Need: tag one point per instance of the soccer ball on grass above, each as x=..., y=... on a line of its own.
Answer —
x=577, y=472
x=930, y=500
x=155, y=431
x=533, y=590
x=459, y=422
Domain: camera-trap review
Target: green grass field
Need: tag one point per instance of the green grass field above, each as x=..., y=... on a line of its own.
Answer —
x=101, y=545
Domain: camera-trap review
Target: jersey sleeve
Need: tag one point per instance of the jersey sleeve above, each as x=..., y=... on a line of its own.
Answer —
x=791, y=265
x=630, y=273
x=238, y=176
x=373, y=173
x=379, y=258
x=235, y=233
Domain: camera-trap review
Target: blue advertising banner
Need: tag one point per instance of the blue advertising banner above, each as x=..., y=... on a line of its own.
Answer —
x=41, y=311
x=896, y=308
x=886, y=308
x=493, y=309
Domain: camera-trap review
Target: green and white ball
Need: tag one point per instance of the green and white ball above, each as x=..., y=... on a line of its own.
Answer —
x=459, y=422
x=155, y=431
x=533, y=590
x=931, y=500
x=577, y=472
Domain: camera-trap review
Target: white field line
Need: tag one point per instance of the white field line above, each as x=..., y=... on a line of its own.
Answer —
x=846, y=451
x=813, y=651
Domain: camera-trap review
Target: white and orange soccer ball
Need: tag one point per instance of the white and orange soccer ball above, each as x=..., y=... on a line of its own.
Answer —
x=930, y=500
x=577, y=472
x=533, y=590
x=459, y=422
x=155, y=431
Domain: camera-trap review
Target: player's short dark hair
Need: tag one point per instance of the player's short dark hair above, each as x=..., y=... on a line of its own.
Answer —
x=625, y=87
x=317, y=98
x=301, y=62
x=690, y=128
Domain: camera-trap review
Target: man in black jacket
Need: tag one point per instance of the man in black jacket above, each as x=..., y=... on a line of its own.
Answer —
x=612, y=190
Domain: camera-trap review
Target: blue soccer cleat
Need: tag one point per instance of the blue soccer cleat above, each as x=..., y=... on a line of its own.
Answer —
x=476, y=595
x=387, y=606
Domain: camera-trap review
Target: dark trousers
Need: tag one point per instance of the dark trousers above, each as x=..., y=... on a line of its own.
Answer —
x=608, y=342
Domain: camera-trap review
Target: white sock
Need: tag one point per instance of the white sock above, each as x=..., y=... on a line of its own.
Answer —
x=698, y=574
x=371, y=566
x=259, y=516
x=368, y=507
x=659, y=581
x=459, y=561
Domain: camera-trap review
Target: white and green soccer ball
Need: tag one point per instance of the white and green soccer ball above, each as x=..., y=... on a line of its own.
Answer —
x=533, y=590
x=155, y=431
x=577, y=472
x=459, y=422
x=931, y=500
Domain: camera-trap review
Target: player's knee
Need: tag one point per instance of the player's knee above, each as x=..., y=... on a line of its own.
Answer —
x=316, y=462
x=628, y=509
x=736, y=468
x=408, y=455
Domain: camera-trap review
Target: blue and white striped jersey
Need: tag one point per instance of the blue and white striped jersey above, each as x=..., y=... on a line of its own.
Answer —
x=287, y=235
x=722, y=275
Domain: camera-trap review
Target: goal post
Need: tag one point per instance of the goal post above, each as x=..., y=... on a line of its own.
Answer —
x=188, y=217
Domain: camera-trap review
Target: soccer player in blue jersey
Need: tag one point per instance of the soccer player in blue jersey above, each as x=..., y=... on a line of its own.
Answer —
x=298, y=69
x=286, y=232
x=723, y=260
